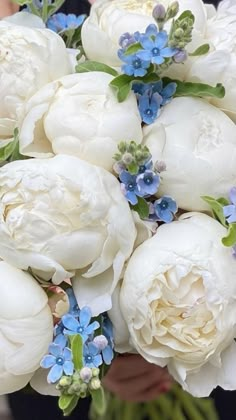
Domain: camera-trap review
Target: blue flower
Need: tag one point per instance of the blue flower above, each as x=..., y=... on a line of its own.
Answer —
x=62, y=22
x=129, y=187
x=146, y=166
x=165, y=208
x=230, y=210
x=91, y=355
x=81, y=326
x=107, y=327
x=155, y=50
x=59, y=360
x=149, y=107
x=134, y=66
x=148, y=182
x=126, y=40
x=166, y=93
x=74, y=307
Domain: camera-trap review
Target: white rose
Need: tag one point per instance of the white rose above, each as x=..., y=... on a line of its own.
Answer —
x=62, y=214
x=26, y=327
x=197, y=142
x=79, y=115
x=108, y=20
x=30, y=58
x=178, y=299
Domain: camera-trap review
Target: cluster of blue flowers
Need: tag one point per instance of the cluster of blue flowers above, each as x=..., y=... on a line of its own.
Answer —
x=152, y=97
x=97, y=349
x=152, y=49
x=61, y=22
x=143, y=181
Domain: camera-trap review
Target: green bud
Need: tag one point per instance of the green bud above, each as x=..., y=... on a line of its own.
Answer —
x=95, y=383
x=172, y=10
x=122, y=147
x=65, y=381
x=127, y=158
x=132, y=147
x=179, y=33
x=95, y=372
x=82, y=394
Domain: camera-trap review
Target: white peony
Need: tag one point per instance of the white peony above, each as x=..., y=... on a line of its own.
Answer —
x=79, y=115
x=197, y=142
x=62, y=214
x=30, y=57
x=26, y=327
x=218, y=66
x=108, y=20
x=178, y=299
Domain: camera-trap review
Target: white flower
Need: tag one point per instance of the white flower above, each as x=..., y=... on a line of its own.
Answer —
x=62, y=214
x=79, y=115
x=26, y=327
x=30, y=57
x=197, y=142
x=109, y=20
x=178, y=299
x=218, y=66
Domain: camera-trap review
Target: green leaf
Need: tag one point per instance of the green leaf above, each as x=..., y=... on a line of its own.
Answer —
x=95, y=66
x=99, y=401
x=197, y=89
x=141, y=208
x=186, y=14
x=230, y=239
x=217, y=208
x=132, y=49
x=22, y=2
x=122, y=84
x=149, y=78
x=77, y=350
x=203, y=49
x=67, y=403
x=133, y=168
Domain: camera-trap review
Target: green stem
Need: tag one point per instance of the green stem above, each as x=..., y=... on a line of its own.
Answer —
x=187, y=402
x=129, y=411
x=45, y=11
x=34, y=10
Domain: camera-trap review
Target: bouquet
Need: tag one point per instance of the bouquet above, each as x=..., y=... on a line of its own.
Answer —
x=118, y=198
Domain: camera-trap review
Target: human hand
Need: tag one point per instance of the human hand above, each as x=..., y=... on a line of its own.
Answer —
x=133, y=379
x=7, y=8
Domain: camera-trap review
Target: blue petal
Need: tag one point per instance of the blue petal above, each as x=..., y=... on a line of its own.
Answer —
x=168, y=52
x=161, y=40
x=151, y=30
x=146, y=42
x=144, y=55
x=48, y=361
x=232, y=195
x=229, y=210
x=61, y=341
x=55, y=350
x=107, y=355
x=68, y=368
x=70, y=322
x=55, y=374
x=92, y=349
x=97, y=360
x=67, y=353
x=92, y=327
x=157, y=59
x=169, y=90
x=131, y=197
x=126, y=177
x=85, y=316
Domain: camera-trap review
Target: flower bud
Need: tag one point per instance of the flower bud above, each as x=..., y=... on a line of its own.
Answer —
x=160, y=166
x=180, y=56
x=95, y=384
x=127, y=158
x=159, y=12
x=95, y=371
x=172, y=10
x=100, y=342
x=65, y=381
x=86, y=374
